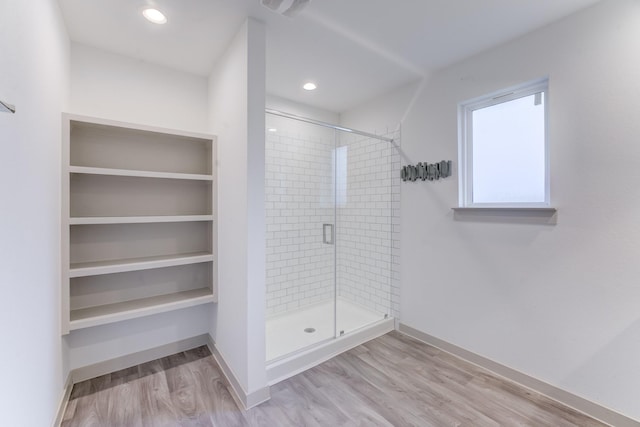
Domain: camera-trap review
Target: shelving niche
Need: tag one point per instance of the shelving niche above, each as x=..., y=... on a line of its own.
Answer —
x=139, y=228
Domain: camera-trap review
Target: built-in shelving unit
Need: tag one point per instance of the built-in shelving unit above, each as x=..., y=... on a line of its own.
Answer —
x=139, y=226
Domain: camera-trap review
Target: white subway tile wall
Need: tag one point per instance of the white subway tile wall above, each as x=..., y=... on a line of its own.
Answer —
x=300, y=190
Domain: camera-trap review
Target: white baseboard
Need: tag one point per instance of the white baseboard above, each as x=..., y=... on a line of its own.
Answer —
x=243, y=399
x=129, y=360
x=571, y=400
x=64, y=400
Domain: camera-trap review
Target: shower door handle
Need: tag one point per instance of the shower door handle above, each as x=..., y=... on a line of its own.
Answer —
x=327, y=234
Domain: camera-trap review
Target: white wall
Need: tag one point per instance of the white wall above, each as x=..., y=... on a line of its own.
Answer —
x=112, y=86
x=115, y=87
x=384, y=113
x=34, y=57
x=236, y=114
x=287, y=106
x=558, y=302
x=92, y=345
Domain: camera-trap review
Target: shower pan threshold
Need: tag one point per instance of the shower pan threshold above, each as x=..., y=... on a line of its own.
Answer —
x=310, y=325
x=325, y=346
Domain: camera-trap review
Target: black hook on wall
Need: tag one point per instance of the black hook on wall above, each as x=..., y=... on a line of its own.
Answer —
x=426, y=171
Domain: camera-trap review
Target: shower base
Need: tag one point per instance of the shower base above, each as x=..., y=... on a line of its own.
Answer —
x=292, y=347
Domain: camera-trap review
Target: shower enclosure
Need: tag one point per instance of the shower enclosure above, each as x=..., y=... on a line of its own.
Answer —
x=330, y=204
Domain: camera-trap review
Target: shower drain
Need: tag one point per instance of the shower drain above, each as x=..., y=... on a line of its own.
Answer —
x=309, y=330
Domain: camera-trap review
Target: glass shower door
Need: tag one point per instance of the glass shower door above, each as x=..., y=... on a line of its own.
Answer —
x=301, y=235
x=364, y=201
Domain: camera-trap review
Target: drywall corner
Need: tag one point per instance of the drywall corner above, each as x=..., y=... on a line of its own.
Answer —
x=236, y=116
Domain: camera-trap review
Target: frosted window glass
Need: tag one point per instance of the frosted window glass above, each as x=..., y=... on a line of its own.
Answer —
x=509, y=152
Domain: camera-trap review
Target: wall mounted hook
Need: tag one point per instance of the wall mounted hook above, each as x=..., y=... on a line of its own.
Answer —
x=426, y=171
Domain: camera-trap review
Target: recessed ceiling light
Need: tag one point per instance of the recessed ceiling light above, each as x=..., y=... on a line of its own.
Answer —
x=309, y=86
x=272, y=130
x=155, y=16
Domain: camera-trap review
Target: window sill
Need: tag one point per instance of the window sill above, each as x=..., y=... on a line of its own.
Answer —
x=513, y=215
x=539, y=210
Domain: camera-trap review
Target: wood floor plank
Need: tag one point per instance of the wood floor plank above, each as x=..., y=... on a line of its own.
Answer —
x=393, y=380
x=190, y=408
x=86, y=413
x=267, y=415
x=197, y=353
x=310, y=400
x=185, y=391
x=446, y=392
x=177, y=371
x=124, y=406
x=532, y=408
x=358, y=412
x=124, y=375
x=423, y=394
x=384, y=401
x=436, y=374
x=219, y=403
x=156, y=404
x=295, y=412
x=406, y=396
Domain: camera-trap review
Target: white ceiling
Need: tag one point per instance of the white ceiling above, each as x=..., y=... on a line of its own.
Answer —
x=354, y=49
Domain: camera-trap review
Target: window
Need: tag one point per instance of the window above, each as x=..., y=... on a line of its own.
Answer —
x=503, y=148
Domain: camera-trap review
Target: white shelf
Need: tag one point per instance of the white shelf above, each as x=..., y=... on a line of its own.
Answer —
x=110, y=313
x=138, y=173
x=135, y=264
x=138, y=219
x=98, y=121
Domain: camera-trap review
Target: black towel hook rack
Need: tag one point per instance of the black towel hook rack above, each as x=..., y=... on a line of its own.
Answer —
x=426, y=171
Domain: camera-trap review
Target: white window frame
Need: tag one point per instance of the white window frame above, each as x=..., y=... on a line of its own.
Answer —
x=465, y=143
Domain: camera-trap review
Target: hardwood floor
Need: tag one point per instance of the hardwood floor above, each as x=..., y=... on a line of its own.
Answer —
x=390, y=381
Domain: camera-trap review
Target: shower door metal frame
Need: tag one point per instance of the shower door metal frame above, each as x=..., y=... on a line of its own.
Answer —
x=328, y=125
